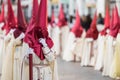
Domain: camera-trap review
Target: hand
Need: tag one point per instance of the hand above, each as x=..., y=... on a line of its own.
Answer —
x=1, y=24
x=89, y=39
x=30, y=51
x=11, y=31
x=43, y=42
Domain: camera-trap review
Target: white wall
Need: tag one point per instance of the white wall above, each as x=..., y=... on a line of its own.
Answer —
x=118, y=5
x=101, y=7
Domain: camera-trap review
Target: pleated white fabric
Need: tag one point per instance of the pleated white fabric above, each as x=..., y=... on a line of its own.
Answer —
x=108, y=57
x=56, y=39
x=87, y=52
x=100, y=52
x=68, y=54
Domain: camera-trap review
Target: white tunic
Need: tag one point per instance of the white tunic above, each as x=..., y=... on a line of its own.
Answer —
x=63, y=38
x=87, y=52
x=2, y=34
x=12, y=60
x=56, y=39
x=43, y=70
x=68, y=54
x=100, y=52
x=108, y=57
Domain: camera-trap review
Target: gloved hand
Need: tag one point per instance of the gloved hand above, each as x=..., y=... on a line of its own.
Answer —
x=11, y=31
x=1, y=24
x=89, y=39
x=43, y=42
x=30, y=51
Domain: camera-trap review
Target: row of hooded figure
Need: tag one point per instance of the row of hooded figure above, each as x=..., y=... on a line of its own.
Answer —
x=19, y=39
x=97, y=47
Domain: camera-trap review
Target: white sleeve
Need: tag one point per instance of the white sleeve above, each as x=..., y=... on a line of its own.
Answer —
x=89, y=39
x=49, y=54
x=11, y=31
x=29, y=51
x=2, y=24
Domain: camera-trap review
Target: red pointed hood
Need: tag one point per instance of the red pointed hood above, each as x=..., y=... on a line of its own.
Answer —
x=2, y=17
x=21, y=19
x=93, y=24
x=42, y=18
x=115, y=24
x=107, y=18
x=42, y=21
x=61, y=18
x=39, y=30
x=119, y=22
x=11, y=23
x=21, y=23
x=34, y=11
x=77, y=28
x=93, y=32
x=34, y=16
x=107, y=22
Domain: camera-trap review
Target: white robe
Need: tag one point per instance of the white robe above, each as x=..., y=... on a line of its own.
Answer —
x=78, y=49
x=108, y=56
x=100, y=52
x=2, y=34
x=68, y=54
x=87, y=49
x=63, y=38
x=1, y=50
x=13, y=60
x=93, y=53
x=115, y=66
x=44, y=70
x=4, y=43
x=56, y=39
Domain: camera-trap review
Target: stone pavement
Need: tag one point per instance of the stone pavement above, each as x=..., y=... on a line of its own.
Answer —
x=73, y=71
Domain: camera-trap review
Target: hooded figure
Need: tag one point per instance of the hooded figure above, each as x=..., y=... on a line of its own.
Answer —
x=107, y=23
x=7, y=30
x=25, y=70
x=21, y=23
x=64, y=30
x=101, y=41
x=110, y=42
x=52, y=19
x=93, y=32
x=91, y=36
x=75, y=33
x=2, y=23
x=2, y=17
x=115, y=70
x=11, y=22
x=40, y=45
x=54, y=33
x=14, y=50
x=51, y=24
x=61, y=18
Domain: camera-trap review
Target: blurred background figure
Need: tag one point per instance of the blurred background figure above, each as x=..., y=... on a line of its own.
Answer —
x=100, y=19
